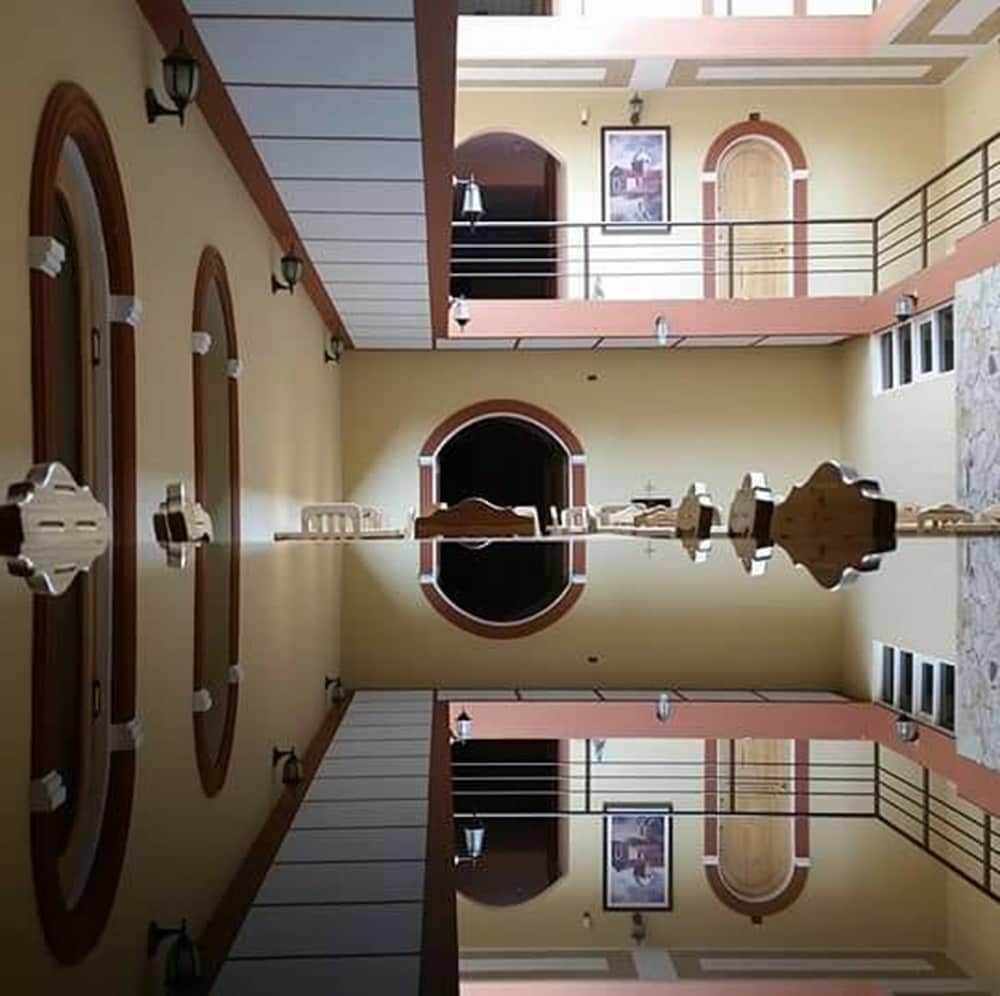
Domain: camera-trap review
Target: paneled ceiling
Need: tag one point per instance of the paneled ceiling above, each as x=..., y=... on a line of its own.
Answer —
x=329, y=93
x=923, y=42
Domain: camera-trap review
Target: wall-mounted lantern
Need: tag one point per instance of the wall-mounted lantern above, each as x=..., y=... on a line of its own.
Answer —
x=474, y=838
x=181, y=74
x=635, y=108
x=292, y=772
x=292, y=268
x=906, y=729
x=183, y=968
x=463, y=728
x=472, y=199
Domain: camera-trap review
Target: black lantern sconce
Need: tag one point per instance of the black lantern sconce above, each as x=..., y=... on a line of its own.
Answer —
x=635, y=106
x=472, y=199
x=292, y=268
x=183, y=968
x=292, y=772
x=333, y=349
x=181, y=74
x=334, y=688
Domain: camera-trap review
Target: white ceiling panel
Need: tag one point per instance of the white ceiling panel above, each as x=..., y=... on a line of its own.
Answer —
x=337, y=159
x=382, y=342
x=364, y=273
x=629, y=343
x=574, y=343
x=349, y=196
x=532, y=74
x=708, y=341
x=360, y=226
x=353, y=252
x=311, y=51
x=964, y=17
x=475, y=344
x=372, y=308
x=873, y=71
x=305, y=8
x=376, y=292
x=317, y=113
x=801, y=340
x=415, y=333
x=402, y=325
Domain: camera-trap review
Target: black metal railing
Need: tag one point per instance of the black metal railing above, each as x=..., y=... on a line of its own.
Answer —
x=910, y=800
x=727, y=258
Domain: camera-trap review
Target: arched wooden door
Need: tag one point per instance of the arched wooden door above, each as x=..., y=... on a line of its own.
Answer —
x=753, y=185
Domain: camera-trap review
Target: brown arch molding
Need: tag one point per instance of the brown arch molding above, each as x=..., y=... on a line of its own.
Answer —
x=512, y=408
x=757, y=910
x=800, y=195
x=70, y=113
x=212, y=770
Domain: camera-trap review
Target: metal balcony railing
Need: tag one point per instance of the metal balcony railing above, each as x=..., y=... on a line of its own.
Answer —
x=908, y=799
x=728, y=258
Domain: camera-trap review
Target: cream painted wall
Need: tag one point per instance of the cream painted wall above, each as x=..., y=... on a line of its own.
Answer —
x=851, y=138
x=859, y=894
x=910, y=602
x=905, y=438
x=970, y=103
x=972, y=929
x=181, y=194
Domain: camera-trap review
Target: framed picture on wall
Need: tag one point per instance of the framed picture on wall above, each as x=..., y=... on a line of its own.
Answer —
x=635, y=177
x=638, y=856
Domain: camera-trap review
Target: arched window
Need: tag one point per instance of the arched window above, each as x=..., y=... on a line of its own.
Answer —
x=510, y=453
x=83, y=646
x=215, y=369
x=755, y=171
x=520, y=182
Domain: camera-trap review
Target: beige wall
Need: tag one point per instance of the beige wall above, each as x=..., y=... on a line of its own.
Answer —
x=852, y=142
x=905, y=438
x=181, y=195
x=970, y=105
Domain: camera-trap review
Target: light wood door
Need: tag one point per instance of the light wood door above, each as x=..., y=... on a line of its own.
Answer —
x=756, y=852
x=753, y=185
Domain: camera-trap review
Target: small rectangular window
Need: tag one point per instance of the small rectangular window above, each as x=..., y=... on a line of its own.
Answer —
x=885, y=352
x=927, y=688
x=888, y=674
x=904, y=337
x=906, y=681
x=947, y=711
x=946, y=338
x=927, y=347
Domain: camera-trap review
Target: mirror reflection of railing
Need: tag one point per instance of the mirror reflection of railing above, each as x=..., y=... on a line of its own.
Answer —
x=758, y=258
x=852, y=781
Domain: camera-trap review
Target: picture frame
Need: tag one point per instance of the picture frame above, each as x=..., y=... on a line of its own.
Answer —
x=635, y=178
x=638, y=856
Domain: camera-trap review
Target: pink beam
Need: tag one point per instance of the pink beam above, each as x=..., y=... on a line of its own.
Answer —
x=732, y=720
x=499, y=39
x=771, y=316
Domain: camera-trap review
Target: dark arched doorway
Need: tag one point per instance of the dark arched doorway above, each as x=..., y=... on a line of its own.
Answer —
x=517, y=781
x=510, y=453
x=520, y=182
x=510, y=462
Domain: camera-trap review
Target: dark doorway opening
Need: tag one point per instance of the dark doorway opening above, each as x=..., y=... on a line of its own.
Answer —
x=522, y=851
x=508, y=461
x=519, y=180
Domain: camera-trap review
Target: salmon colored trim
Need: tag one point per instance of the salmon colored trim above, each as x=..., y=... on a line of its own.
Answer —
x=745, y=131
x=577, y=553
x=800, y=872
x=754, y=129
x=726, y=720
x=495, y=631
